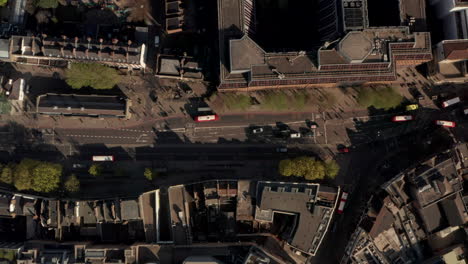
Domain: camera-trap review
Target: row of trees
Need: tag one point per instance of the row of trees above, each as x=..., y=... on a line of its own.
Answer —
x=38, y=176
x=309, y=168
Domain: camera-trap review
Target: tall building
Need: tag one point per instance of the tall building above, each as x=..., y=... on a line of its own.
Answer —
x=340, y=47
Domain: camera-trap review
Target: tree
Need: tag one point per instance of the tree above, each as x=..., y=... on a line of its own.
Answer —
x=93, y=75
x=46, y=177
x=47, y=4
x=22, y=178
x=6, y=175
x=151, y=174
x=332, y=168
x=43, y=16
x=72, y=184
x=3, y=2
x=286, y=167
x=307, y=167
x=95, y=169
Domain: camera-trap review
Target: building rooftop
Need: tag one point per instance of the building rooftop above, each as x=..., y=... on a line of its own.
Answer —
x=383, y=222
x=130, y=209
x=244, y=54
x=300, y=200
x=455, y=49
x=355, y=46
x=71, y=104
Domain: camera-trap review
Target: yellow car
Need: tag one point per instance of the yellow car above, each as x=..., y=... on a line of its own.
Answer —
x=412, y=107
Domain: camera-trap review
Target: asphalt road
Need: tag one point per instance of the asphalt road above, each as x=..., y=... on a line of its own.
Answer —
x=333, y=129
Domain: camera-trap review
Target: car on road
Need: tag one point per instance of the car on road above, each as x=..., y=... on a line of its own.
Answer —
x=402, y=118
x=281, y=149
x=206, y=118
x=450, y=102
x=257, y=130
x=78, y=166
x=412, y=107
x=295, y=135
x=341, y=206
x=343, y=149
x=465, y=111
x=445, y=123
x=156, y=41
x=309, y=134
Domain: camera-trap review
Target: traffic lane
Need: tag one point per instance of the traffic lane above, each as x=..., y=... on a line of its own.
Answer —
x=362, y=175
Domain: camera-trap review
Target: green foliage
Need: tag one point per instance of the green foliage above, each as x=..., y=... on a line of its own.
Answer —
x=9, y=255
x=6, y=175
x=275, y=100
x=95, y=169
x=381, y=97
x=5, y=106
x=151, y=174
x=308, y=167
x=148, y=174
x=54, y=19
x=47, y=4
x=3, y=2
x=331, y=168
x=72, y=184
x=46, y=177
x=237, y=101
x=300, y=100
x=92, y=75
x=23, y=174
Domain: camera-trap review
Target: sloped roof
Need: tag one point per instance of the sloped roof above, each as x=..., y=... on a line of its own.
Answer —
x=456, y=49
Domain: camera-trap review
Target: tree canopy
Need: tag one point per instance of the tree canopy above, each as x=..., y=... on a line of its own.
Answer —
x=95, y=169
x=3, y=2
x=308, y=167
x=6, y=175
x=46, y=177
x=47, y=3
x=93, y=75
x=72, y=184
x=23, y=174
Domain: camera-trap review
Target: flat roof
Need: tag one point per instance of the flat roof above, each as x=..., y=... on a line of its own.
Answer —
x=244, y=53
x=71, y=104
x=355, y=46
x=299, y=199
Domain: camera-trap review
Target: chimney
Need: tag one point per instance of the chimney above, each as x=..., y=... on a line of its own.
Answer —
x=76, y=42
x=89, y=42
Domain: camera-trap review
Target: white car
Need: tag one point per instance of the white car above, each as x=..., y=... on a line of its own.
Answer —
x=257, y=130
x=295, y=135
